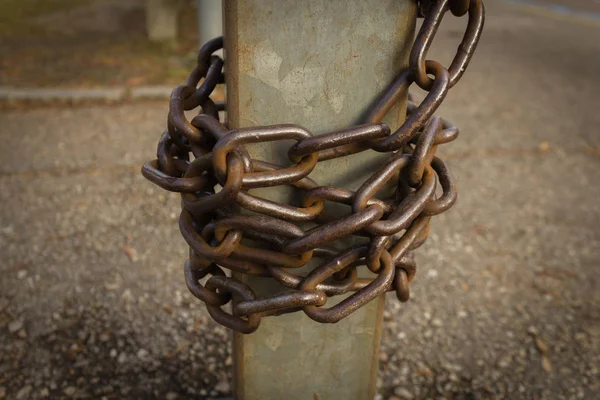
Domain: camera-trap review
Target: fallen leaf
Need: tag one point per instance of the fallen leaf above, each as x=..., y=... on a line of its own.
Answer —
x=546, y=364
x=177, y=350
x=131, y=253
x=480, y=229
x=496, y=270
x=541, y=345
x=544, y=146
x=19, y=267
x=71, y=355
x=594, y=150
x=558, y=273
x=112, y=286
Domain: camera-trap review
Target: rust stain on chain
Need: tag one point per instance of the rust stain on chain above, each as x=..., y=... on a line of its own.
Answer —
x=234, y=229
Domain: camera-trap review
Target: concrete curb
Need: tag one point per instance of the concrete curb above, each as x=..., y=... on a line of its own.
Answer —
x=150, y=93
x=9, y=95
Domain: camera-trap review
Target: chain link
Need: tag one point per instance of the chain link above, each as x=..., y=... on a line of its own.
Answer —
x=233, y=229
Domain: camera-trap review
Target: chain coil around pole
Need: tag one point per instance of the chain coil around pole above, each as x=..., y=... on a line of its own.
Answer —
x=215, y=222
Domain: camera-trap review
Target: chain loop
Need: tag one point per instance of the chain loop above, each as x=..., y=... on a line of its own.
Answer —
x=418, y=65
x=228, y=226
x=235, y=288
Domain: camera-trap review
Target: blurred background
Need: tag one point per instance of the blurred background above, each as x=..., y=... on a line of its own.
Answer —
x=93, y=303
x=87, y=43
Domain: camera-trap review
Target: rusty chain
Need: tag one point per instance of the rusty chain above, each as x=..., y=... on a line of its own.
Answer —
x=230, y=228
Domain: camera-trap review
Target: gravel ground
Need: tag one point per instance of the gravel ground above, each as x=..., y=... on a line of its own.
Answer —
x=505, y=304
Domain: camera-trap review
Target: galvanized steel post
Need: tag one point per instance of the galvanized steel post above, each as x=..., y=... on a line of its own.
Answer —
x=312, y=63
x=210, y=20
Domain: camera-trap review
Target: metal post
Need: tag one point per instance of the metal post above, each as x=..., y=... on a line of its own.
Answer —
x=161, y=19
x=316, y=63
x=210, y=20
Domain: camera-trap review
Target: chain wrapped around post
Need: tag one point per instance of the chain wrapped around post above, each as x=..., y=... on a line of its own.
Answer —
x=228, y=227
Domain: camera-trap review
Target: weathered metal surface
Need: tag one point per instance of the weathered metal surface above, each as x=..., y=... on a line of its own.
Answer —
x=270, y=202
x=318, y=64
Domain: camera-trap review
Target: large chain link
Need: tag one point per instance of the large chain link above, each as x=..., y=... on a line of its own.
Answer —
x=215, y=222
